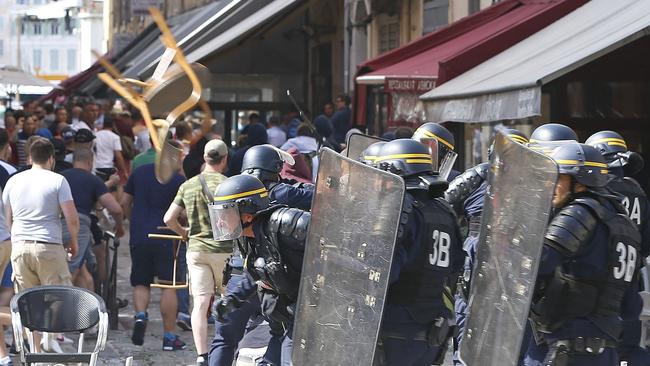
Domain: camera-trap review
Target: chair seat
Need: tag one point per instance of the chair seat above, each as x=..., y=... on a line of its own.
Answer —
x=58, y=357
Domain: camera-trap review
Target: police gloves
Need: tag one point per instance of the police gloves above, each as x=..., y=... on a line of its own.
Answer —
x=224, y=306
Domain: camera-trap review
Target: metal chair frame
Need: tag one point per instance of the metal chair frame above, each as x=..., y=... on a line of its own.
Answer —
x=177, y=240
x=84, y=357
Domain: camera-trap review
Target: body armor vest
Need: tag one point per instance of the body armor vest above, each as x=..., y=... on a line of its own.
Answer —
x=598, y=298
x=421, y=283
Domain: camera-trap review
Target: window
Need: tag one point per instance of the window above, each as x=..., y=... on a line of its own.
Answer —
x=388, y=36
x=435, y=15
x=474, y=5
x=38, y=2
x=54, y=60
x=72, y=60
x=2, y=23
x=21, y=2
x=37, y=28
x=37, y=62
x=2, y=47
x=54, y=27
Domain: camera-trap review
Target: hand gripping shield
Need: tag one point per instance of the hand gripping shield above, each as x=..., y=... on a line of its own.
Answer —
x=515, y=215
x=352, y=233
x=357, y=143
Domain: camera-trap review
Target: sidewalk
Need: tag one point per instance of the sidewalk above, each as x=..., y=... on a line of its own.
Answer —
x=119, y=346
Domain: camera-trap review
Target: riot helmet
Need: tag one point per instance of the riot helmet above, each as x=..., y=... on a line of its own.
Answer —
x=370, y=154
x=443, y=136
x=547, y=137
x=265, y=162
x=234, y=196
x=405, y=157
x=582, y=162
x=441, y=141
x=516, y=135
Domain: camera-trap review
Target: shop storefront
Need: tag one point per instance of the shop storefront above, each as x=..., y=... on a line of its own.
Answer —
x=586, y=70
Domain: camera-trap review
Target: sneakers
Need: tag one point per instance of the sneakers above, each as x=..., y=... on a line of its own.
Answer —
x=184, y=321
x=49, y=343
x=174, y=344
x=139, y=327
x=201, y=361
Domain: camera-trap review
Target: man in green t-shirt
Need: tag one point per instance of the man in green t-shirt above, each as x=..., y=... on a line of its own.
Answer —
x=144, y=158
x=206, y=258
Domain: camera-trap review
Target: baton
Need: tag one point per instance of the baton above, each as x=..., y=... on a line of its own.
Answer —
x=295, y=104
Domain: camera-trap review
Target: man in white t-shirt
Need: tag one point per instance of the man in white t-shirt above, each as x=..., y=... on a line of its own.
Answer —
x=108, y=152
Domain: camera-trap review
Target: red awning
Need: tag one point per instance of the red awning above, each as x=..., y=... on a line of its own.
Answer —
x=69, y=85
x=456, y=48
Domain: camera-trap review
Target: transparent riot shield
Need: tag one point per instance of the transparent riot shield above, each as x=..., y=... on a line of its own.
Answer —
x=357, y=143
x=515, y=214
x=349, y=249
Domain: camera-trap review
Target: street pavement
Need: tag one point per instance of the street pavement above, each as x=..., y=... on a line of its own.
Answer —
x=119, y=346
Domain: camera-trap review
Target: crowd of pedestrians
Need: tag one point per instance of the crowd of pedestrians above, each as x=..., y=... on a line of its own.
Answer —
x=62, y=167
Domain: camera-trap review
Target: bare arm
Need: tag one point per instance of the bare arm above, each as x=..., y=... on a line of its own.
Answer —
x=171, y=220
x=72, y=220
x=126, y=202
x=121, y=165
x=9, y=218
x=107, y=200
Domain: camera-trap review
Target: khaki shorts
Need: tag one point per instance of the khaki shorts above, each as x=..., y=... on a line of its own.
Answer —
x=205, y=272
x=39, y=264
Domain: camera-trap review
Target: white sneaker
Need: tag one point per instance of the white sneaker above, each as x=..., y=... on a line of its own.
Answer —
x=49, y=343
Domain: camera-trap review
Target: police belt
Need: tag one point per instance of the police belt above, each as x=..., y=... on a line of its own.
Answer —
x=590, y=345
x=474, y=225
x=237, y=271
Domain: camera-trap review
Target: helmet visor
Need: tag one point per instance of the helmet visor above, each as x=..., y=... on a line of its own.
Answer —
x=285, y=156
x=432, y=143
x=446, y=164
x=225, y=221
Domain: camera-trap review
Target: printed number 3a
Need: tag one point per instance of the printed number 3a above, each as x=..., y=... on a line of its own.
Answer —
x=627, y=262
x=440, y=253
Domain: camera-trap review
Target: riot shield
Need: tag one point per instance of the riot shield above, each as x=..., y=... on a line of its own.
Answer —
x=357, y=143
x=355, y=217
x=515, y=214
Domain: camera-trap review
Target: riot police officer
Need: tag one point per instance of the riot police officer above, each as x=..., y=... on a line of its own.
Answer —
x=466, y=193
x=614, y=149
x=428, y=257
x=274, y=247
x=265, y=163
x=444, y=138
x=590, y=257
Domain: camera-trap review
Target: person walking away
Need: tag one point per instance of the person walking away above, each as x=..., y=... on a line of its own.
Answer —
x=87, y=190
x=109, y=153
x=206, y=258
x=147, y=200
x=33, y=202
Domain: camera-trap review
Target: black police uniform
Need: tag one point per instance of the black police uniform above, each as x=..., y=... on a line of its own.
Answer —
x=635, y=202
x=428, y=257
x=590, y=258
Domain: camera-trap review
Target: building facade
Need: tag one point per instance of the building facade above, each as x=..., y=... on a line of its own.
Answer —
x=52, y=39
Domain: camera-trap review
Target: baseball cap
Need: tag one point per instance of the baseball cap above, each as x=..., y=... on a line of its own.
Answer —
x=84, y=135
x=59, y=147
x=215, y=149
x=68, y=133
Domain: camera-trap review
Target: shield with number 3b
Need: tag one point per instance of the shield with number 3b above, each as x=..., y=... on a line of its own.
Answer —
x=354, y=223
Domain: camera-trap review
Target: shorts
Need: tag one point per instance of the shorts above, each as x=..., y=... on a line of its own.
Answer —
x=83, y=239
x=95, y=230
x=5, y=262
x=7, y=278
x=205, y=272
x=105, y=173
x=155, y=261
x=39, y=264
